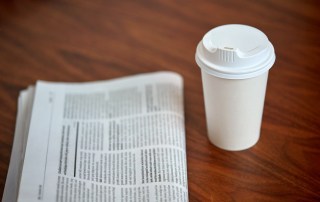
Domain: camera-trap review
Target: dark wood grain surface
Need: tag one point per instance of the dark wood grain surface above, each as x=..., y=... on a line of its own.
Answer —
x=68, y=40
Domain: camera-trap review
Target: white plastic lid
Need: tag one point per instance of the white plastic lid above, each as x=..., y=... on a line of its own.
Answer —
x=235, y=52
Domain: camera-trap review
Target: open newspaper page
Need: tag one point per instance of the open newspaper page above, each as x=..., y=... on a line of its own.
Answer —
x=117, y=140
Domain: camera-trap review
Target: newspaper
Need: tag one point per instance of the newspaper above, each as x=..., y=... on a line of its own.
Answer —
x=116, y=140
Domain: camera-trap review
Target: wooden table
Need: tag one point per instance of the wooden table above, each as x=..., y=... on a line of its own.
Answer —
x=97, y=40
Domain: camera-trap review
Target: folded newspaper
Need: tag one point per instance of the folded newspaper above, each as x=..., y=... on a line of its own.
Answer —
x=116, y=140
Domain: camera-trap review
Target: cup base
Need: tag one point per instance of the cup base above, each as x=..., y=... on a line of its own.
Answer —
x=235, y=148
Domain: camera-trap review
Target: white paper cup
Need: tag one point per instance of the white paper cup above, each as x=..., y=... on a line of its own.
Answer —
x=234, y=61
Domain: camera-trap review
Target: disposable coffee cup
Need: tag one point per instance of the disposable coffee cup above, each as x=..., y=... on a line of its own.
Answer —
x=234, y=61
